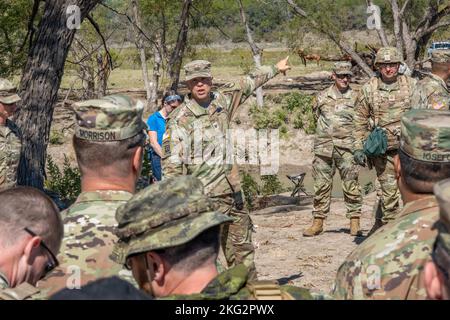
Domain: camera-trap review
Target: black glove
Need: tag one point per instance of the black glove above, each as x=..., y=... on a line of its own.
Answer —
x=360, y=157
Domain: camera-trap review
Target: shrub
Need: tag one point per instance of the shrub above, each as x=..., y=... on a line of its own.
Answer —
x=271, y=185
x=66, y=182
x=56, y=137
x=250, y=189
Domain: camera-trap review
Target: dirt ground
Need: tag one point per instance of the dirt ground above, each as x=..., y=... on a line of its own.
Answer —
x=283, y=253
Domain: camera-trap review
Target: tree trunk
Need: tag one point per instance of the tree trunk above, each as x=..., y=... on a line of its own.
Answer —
x=176, y=58
x=256, y=51
x=397, y=26
x=40, y=84
x=141, y=48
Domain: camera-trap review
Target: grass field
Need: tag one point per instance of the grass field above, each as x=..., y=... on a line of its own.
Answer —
x=226, y=65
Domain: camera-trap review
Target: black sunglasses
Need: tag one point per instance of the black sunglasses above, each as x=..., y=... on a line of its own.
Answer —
x=51, y=265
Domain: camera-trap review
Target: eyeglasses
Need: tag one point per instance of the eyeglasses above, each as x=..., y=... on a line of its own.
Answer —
x=51, y=265
x=342, y=76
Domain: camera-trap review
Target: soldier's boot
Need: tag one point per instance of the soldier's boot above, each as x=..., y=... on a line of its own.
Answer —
x=315, y=229
x=355, y=229
x=377, y=225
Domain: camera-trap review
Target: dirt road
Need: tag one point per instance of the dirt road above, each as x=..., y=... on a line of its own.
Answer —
x=283, y=253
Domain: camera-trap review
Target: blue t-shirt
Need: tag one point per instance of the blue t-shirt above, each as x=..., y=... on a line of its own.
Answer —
x=157, y=123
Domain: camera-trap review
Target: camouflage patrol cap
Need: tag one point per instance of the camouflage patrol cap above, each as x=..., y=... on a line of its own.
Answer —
x=425, y=135
x=388, y=55
x=167, y=214
x=8, y=92
x=111, y=118
x=442, y=245
x=440, y=56
x=197, y=69
x=343, y=68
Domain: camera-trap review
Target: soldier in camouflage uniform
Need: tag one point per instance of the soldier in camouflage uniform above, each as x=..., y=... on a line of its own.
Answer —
x=389, y=264
x=108, y=142
x=170, y=237
x=381, y=103
x=436, y=272
x=333, y=147
x=432, y=92
x=31, y=231
x=207, y=115
x=10, y=136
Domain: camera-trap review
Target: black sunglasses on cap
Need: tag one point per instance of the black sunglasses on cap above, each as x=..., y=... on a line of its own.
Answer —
x=50, y=264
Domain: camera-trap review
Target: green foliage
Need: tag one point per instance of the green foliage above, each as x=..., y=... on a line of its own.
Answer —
x=66, y=182
x=14, y=16
x=295, y=109
x=56, y=137
x=301, y=106
x=271, y=185
x=250, y=189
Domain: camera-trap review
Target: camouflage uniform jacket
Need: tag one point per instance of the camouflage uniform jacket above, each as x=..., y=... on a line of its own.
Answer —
x=431, y=93
x=206, y=159
x=88, y=242
x=381, y=104
x=10, y=146
x=232, y=285
x=24, y=291
x=334, y=113
x=389, y=264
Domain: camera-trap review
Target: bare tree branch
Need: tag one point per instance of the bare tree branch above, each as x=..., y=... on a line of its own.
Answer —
x=97, y=28
x=402, y=11
x=339, y=42
x=396, y=14
x=177, y=53
x=130, y=20
x=256, y=51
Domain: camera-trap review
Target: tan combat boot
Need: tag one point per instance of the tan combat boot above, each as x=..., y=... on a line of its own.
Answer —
x=315, y=229
x=355, y=229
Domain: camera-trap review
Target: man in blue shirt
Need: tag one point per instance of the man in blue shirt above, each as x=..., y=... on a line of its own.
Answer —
x=156, y=127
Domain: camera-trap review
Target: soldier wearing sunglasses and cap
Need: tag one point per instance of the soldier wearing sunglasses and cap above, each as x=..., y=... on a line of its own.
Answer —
x=10, y=137
x=31, y=231
x=333, y=146
x=108, y=142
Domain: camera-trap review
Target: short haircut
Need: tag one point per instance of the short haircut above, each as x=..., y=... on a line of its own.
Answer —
x=192, y=255
x=95, y=156
x=26, y=207
x=420, y=176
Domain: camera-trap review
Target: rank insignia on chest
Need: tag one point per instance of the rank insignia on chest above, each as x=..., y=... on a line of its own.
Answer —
x=391, y=97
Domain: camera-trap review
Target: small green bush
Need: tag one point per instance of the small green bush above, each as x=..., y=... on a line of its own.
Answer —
x=66, y=182
x=56, y=138
x=250, y=189
x=271, y=185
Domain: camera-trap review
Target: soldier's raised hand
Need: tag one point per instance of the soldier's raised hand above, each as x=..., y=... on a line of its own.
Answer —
x=283, y=66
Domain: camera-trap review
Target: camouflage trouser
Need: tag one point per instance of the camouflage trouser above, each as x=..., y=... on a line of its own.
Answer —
x=236, y=237
x=324, y=169
x=390, y=195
